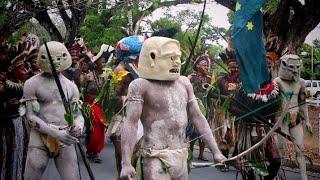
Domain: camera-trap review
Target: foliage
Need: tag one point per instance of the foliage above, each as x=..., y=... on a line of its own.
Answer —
x=271, y=6
x=165, y=23
x=209, y=34
x=305, y=54
x=259, y=168
x=97, y=31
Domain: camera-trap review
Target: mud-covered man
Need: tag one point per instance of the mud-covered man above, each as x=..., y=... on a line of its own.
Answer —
x=50, y=136
x=162, y=99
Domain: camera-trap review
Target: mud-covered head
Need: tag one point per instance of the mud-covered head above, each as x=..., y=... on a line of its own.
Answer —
x=160, y=59
x=60, y=56
x=290, y=67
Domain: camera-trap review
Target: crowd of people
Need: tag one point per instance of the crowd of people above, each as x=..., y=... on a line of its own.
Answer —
x=102, y=82
x=89, y=71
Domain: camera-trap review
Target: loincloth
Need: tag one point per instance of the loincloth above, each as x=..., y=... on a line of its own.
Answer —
x=175, y=160
x=292, y=119
x=45, y=142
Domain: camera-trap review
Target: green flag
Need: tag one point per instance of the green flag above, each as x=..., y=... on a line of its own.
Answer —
x=247, y=41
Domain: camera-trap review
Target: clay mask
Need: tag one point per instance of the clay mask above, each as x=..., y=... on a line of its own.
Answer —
x=60, y=56
x=160, y=59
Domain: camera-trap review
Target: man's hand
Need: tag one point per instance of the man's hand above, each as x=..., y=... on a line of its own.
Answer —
x=128, y=173
x=76, y=130
x=219, y=157
x=64, y=137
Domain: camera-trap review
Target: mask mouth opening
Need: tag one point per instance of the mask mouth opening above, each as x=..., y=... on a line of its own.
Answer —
x=174, y=70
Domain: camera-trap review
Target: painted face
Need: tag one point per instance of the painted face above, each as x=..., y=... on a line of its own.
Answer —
x=79, y=41
x=21, y=73
x=34, y=65
x=33, y=40
x=290, y=67
x=160, y=59
x=203, y=67
x=60, y=56
x=101, y=63
x=3, y=76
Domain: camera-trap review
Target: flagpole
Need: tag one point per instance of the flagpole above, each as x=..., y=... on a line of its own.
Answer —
x=311, y=62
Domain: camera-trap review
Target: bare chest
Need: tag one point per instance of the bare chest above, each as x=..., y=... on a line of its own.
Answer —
x=47, y=91
x=166, y=96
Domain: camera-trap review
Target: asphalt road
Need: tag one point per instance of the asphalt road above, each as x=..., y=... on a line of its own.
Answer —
x=107, y=170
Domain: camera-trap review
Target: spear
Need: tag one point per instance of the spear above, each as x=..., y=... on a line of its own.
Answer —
x=68, y=114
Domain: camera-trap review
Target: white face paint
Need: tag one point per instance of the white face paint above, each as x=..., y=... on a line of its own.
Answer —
x=290, y=67
x=160, y=59
x=60, y=56
x=79, y=41
x=33, y=40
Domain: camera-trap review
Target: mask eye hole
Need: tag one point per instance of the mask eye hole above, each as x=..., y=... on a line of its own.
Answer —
x=153, y=55
x=43, y=57
x=298, y=66
x=291, y=66
x=284, y=63
x=64, y=55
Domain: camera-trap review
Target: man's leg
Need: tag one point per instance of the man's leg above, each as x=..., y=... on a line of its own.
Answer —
x=273, y=156
x=153, y=169
x=297, y=134
x=192, y=145
x=66, y=163
x=37, y=160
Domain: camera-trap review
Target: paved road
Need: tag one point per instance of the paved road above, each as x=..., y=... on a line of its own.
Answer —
x=107, y=170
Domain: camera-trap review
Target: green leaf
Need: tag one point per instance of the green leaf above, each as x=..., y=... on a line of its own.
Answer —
x=189, y=160
x=139, y=168
x=310, y=133
x=202, y=107
x=226, y=104
x=102, y=92
x=69, y=118
x=165, y=168
x=259, y=168
x=219, y=166
x=287, y=119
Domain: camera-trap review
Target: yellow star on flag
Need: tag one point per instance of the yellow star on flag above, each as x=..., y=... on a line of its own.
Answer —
x=238, y=6
x=250, y=25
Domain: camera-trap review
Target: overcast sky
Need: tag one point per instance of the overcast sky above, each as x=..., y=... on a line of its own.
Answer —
x=218, y=14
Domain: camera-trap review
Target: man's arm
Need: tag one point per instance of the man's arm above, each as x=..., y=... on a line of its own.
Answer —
x=37, y=123
x=130, y=126
x=201, y=124
x=78, y=123
x=30, y=97
x=303, y=106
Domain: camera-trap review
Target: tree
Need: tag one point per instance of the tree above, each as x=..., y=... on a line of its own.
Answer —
x=306, y=53
x=12, y=18
x=287, y=20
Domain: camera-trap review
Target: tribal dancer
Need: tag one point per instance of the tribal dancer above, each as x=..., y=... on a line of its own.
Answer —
x=198, y=79
x=227, y=85
x=289, y=81
x=127, y=51
x=250, y=126
x=45, y=110
x=95, y=81
x=13, y=129
x=162, y=99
